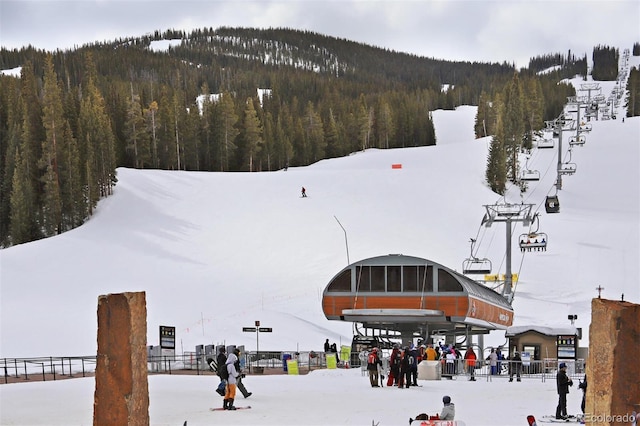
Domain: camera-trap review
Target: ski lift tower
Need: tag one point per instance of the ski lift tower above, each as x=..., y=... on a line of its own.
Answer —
x=558, y=126
x=575, y=100
x=508, y=213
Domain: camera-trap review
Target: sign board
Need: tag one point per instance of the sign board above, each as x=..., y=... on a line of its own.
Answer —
x=249, y=329
x=265, y=329
x=566, y=347
x=345, y=353
x=332, y=363
x=292, y=367
x=167, y=337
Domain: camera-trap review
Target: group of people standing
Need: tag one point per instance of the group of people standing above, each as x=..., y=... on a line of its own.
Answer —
x=403, y=366
x=403, y=372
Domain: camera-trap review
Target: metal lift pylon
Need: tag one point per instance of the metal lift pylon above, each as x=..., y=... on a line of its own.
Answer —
x=508, y=213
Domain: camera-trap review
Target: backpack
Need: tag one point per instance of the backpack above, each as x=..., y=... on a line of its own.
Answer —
x=223, y=373
x=372, y=358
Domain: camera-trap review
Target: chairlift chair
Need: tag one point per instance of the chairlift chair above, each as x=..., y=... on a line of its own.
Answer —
x=475, y=266
x=567, y=168
x=577, y=140
x=546, y=143
x=552, y=204
x=586, y=127
x=533, y=241
x=530, y=175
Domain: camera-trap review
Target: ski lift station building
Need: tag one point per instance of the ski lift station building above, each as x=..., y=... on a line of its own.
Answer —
x=414, y=297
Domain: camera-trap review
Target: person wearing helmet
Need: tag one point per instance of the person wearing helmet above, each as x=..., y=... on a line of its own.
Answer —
x=449, y=409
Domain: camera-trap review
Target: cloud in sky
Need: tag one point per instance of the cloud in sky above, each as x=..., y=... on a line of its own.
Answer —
x=473, y=30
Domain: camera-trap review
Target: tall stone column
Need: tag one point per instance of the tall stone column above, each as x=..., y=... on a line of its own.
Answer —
x=122, y=393
x=613, y=370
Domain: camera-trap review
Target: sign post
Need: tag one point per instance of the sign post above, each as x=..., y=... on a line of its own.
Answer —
x=257, y=329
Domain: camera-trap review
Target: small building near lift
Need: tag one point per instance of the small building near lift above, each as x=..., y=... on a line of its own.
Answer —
x=414, y=297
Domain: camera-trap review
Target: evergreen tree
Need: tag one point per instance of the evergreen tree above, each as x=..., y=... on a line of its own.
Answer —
x=632, y=102
x=21, y=227
x=332, y=137
x=74, y=205
x=135, y=132
x=96, y=136
x=52, y=147
x=314, y=134
x=385, y=128
x=9, y=145
x=268, y=146
x=252, y=132
x=496, y=172
x=513, y=126
x=152, y=127
x=484, y=121
x=228, y=120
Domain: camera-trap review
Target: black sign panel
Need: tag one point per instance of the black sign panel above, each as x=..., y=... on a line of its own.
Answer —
x=265, y=329
x=249, y=329
x=167, y=337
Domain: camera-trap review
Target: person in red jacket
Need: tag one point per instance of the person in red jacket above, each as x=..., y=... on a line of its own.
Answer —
x=470, y=358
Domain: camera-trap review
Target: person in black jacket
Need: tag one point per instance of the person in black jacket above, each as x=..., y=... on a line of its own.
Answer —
x=515, y=366
x=562, y=383
x=243, y=390
x=220, y=362
x=583, y=386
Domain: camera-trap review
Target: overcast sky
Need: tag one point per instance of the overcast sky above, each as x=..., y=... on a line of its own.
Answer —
x=473, y=30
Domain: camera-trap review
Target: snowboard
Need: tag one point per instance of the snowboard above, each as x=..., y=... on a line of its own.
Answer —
x=246, y=407
x=552, y=419
x=213, y=365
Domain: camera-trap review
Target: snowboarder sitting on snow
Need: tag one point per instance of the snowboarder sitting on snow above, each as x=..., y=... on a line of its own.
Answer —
x=449, y=409
x=448, y=412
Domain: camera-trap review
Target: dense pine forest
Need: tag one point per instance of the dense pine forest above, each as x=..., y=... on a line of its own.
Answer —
x=235, y=99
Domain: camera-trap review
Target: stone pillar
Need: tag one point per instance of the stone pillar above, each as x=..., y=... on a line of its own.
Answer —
x=122, y=393
x=613, y=370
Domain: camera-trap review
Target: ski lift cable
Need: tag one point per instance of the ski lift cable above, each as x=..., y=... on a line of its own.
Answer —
x=513, y=292
x=549, y=165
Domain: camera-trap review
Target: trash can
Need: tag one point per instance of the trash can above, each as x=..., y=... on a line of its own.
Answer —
x=429, y=370
x=285, y=358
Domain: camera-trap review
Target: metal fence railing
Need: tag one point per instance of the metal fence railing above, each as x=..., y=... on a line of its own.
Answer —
x=46, y=368
x=535, y=369
x=54, y=368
